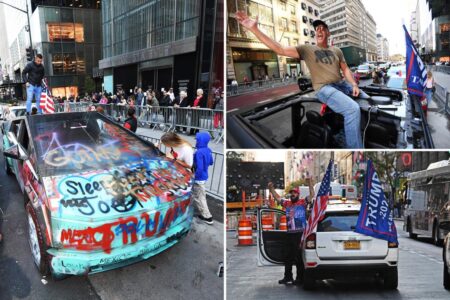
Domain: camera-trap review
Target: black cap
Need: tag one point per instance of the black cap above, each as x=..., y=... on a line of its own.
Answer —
x=319, y=22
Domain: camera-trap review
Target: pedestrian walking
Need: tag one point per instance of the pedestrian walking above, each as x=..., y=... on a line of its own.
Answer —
x=218, y=107
x=32, y=75
x=234, y=86
x=131, y=121
x=260, y=80
x=178, y=149
x=296, y=222
x=202, y=160
x=430, y=86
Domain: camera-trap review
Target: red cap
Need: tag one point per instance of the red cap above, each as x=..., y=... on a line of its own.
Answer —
x=296, y=189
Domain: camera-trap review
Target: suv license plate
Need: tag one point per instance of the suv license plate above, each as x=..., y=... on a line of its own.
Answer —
x=352, y=245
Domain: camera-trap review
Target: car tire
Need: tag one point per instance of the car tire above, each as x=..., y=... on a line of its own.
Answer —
x=436, y=232
x=446, y=276
x=391, y=279
x=36, y=241
x=7, y=168
x=309, y=281
x=411, y=234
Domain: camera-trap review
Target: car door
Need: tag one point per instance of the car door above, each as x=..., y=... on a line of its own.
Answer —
x=271, y=239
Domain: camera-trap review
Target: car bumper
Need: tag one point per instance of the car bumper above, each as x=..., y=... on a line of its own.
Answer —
x=72, y=262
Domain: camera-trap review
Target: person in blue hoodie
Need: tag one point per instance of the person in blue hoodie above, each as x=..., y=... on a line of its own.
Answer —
x=202, y=160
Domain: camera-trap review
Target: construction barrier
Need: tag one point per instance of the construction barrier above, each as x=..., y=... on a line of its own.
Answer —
x=245, y=233
x=267, y=223
x=283, y=223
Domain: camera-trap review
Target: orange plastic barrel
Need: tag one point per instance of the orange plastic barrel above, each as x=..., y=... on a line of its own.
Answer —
x=267, y=223
x=245, y=232
x=283, y=223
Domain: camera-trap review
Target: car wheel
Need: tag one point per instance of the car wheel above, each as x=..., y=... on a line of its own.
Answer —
x=436, y=233
x=7, y=168
x=411, y=234
x=36, y=241
x=391, y=279
x=308, y=280
x=446, y=277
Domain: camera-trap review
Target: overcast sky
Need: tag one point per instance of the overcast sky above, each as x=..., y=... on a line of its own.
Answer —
x=389, y=16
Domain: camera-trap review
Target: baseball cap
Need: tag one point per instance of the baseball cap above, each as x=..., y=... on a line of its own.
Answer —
x=319, y=22
x=296, y=190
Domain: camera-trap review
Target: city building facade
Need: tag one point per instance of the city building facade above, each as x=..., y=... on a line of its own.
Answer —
x=162, y=44
x=68, y=35
x=352, y=29
x=382, y=48
x=286, y=21
x=436, y=31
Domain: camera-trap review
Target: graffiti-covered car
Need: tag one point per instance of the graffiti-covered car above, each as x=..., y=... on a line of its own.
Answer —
x=97, y=196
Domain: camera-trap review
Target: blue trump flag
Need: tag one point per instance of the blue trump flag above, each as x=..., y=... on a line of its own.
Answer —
x=375, y=217
x=416, y=72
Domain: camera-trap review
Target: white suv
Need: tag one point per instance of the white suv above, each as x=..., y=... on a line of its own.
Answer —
x=336, y=250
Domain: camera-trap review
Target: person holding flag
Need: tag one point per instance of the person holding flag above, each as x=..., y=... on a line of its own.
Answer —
x=296, y=221
x=376, y=217
x=32, y=75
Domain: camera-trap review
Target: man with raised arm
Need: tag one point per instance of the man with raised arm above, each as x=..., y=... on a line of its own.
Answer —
x=325, y=64
x=296, y=222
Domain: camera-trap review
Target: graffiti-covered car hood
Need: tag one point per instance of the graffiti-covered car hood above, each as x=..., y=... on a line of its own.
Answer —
x=104, y=186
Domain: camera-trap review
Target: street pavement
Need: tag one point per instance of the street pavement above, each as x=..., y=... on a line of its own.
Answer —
x=185, y=271
x=420, y=276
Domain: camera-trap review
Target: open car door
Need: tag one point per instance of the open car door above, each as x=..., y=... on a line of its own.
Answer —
x=271, y=237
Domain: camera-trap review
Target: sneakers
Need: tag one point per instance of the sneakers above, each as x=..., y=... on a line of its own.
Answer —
x=208, y=221
x=286, y=280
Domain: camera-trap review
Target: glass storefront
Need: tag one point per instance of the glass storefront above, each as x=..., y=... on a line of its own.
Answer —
x=68, y=91
x=65, y=32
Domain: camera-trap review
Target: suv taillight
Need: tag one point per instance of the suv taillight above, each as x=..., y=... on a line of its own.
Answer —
x=311, y=241
x=392, y=245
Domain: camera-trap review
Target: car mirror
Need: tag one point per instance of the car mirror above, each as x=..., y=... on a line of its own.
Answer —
x=445, y=225
x=14, y=153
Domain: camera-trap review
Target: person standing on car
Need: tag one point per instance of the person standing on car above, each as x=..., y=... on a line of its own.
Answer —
x=429, y=87
x=33, y=74
x=296, y=224
x=325, y=64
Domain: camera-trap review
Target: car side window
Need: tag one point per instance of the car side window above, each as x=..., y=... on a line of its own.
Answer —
x=24, y=138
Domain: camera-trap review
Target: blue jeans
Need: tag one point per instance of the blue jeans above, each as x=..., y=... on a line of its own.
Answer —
x=336, y=96
x=36, y=91
x=429, y=95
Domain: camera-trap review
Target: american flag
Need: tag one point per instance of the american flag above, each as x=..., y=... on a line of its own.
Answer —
x=47, y=105
x=320, y=204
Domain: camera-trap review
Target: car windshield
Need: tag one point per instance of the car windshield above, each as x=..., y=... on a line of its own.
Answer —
x=396, y=83
x=363, y=67
x=338, y=221
x=82, y=142
x=19, y=112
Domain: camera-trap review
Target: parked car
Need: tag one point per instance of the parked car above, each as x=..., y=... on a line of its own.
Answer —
x=97, y=196
x=335, y=251
x=365, y=71
x=298, y=121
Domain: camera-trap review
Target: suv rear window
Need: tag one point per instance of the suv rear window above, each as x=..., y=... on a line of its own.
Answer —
x=338, y=221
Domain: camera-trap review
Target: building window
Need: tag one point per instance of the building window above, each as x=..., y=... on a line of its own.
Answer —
x=445, y=27
x=67, y=91
x=305, y=32
x=283, y=6
x=310, y=9
x=292, y=9
x=65, y=32
x=313, y=34
x=67, y=63
x=284, y=23
x=316, y=12
x=294, y=42
x=305, y=19
x=294, y=26
x=303, y=6
x=311, y=21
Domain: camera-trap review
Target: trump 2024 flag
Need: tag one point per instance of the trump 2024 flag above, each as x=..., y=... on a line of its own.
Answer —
x=416, y=72
x=375, y=217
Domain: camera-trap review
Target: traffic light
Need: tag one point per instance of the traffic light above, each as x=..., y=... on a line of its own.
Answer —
x=30, y=54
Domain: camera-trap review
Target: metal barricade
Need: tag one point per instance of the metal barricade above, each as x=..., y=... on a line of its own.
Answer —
x=214, y=185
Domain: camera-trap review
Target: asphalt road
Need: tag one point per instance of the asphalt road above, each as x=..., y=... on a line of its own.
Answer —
x=185, y=271
x=420, y=276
